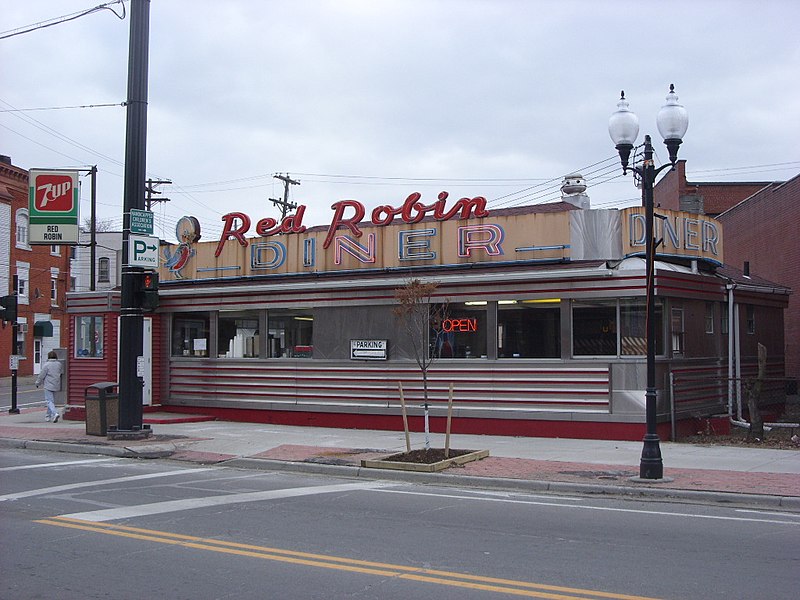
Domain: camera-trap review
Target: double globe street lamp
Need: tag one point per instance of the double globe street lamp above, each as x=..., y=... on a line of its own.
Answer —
x=623, y=127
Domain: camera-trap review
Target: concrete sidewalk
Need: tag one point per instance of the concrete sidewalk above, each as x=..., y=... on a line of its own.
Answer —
x=753, y=477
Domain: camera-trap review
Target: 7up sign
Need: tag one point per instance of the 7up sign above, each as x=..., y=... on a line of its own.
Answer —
x=143, y=251
x=53, y=201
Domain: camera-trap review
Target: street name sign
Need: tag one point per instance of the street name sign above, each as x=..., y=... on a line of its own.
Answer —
x=141, y=221
x=143, y=251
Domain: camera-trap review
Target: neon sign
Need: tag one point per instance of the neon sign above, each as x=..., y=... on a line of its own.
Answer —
x=460, y=325
x=412, y=211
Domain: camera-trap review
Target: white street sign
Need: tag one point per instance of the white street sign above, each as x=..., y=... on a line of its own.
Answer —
x=143, y=251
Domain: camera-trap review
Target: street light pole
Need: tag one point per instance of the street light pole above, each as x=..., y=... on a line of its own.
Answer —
x=623, y=126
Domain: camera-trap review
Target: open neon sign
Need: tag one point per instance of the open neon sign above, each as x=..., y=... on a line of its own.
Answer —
x=460, y=325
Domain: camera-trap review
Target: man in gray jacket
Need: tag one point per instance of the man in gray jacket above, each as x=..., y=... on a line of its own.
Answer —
x=50, y=376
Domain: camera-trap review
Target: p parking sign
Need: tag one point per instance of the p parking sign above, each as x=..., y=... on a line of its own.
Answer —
x=53, y=202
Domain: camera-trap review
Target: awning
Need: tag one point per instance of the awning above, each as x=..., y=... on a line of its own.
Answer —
x=43, y=329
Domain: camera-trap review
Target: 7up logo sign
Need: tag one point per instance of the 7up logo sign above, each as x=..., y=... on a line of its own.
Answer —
x=53, y=201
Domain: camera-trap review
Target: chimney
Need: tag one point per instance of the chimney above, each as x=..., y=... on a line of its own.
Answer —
x=746, y=270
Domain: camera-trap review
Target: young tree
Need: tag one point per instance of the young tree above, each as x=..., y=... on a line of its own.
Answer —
x=420, y=316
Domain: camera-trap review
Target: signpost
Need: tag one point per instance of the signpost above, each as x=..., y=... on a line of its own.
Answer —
x=143, y=251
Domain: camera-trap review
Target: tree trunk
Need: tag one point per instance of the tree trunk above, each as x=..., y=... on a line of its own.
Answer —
x=756, y=431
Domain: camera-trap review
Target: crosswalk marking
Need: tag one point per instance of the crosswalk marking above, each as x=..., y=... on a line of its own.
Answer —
x=58, y=464
x=84, y=484
x=127, y=512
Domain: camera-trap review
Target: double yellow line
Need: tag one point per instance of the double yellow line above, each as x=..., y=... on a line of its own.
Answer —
x=460, y=580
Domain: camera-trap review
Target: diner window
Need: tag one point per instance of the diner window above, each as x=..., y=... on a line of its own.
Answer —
x=750, y=318
x=633, y=327
x=594, y=328
x=677, y=331
x=190, y=334
x=529, y=328
x=89, y=337
x=724, y=319
x=461, y=332
x=709, y=320
x=103, y=271
x=291, y=333
x=238, y=334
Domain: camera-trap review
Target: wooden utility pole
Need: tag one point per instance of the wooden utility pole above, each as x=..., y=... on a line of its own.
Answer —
x=150, y=190
x=284, y=204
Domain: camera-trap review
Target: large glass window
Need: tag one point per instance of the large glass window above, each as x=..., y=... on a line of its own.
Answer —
x=89, y=337
x=594, y=328
x=462, y=331
x=291, y=334
x=595, y=325
x=528, y=329
x=633, y=328
x=190, y=334
x=238, y=334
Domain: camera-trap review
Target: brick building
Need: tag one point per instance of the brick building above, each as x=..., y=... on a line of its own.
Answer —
x=42, y=273
x=760, y=232
x=760, y=220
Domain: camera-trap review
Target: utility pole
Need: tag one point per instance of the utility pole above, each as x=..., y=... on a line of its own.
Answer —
x=284, y=204
x=150, y=189
x=131, y=315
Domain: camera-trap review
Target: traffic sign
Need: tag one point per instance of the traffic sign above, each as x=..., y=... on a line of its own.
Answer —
x=141, y=221
x=143, y=251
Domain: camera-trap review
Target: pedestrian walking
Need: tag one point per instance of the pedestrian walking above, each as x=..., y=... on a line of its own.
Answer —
x=50, y=376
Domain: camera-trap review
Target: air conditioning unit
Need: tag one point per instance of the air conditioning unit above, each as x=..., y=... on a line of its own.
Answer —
x=22, y=327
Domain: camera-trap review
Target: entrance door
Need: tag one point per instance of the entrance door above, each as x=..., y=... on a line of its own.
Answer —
x=37, y=356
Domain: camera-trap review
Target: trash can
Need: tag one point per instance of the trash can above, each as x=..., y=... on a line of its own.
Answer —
x=102, y=407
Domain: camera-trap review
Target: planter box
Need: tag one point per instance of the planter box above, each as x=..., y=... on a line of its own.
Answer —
x=424, y=467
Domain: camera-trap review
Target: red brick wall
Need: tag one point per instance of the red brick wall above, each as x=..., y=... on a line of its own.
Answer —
x=763, y=231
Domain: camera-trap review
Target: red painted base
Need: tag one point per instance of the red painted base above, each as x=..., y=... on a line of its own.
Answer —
x=528, y=428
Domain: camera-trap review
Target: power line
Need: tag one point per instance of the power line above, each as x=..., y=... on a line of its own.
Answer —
x=64, y=19
x=7, y=110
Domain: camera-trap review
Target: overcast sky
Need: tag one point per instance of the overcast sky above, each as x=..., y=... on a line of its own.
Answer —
x=371, y=100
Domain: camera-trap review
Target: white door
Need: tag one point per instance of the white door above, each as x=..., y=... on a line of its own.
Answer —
x=37, y=356
x=147, y=359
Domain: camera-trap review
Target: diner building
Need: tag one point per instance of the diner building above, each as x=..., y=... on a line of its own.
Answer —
x=539, y=327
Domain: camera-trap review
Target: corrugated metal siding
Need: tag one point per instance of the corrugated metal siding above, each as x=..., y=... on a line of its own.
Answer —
x=276, y=384
x=83, y=372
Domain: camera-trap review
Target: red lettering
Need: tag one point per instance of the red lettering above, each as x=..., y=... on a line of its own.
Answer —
x=475, y=207
x=462, y=325
x=266, y=227
x=388, y=215
x=339, y=220
x=294, y=223
x=231, y=231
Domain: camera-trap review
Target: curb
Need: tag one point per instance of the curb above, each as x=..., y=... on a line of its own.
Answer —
x=153, y=451
x=791, y=503
x=637, y=492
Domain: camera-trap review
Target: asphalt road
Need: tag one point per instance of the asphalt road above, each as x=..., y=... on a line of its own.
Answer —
x=99, y=527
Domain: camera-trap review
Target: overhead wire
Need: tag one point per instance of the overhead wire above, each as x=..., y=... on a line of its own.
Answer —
x=64, y=19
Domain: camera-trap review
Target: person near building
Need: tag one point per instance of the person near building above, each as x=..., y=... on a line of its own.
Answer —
x=50, y=377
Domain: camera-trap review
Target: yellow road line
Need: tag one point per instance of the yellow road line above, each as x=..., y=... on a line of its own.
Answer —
x=452, y=579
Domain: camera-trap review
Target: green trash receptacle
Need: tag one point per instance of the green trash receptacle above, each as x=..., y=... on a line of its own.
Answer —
x=102, y=407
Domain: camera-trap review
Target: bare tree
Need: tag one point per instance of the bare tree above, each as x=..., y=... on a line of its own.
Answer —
x=102, y=225
x=420, y=316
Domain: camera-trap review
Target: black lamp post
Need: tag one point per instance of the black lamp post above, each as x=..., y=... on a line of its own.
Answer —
x=623, y=126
